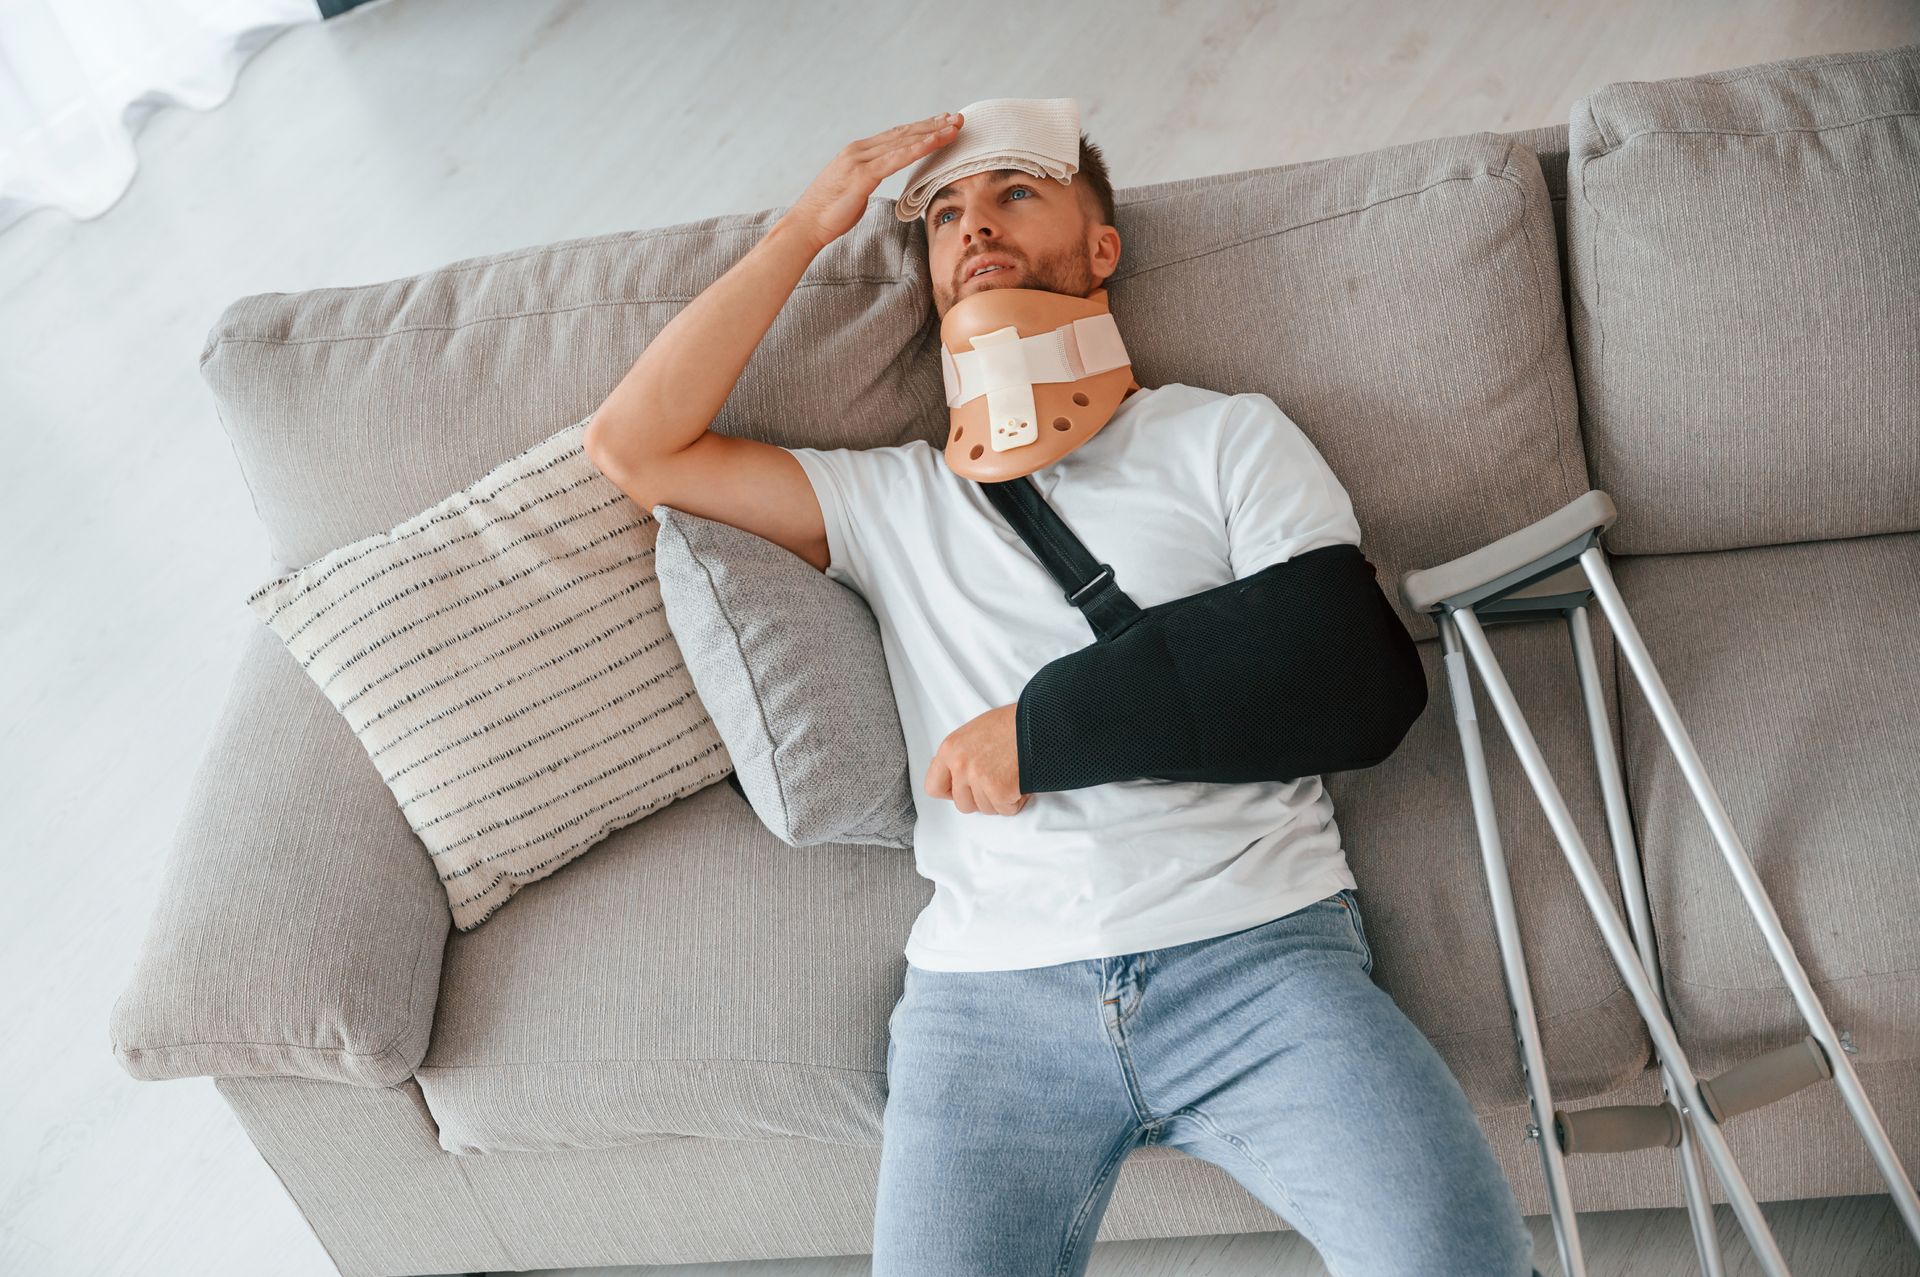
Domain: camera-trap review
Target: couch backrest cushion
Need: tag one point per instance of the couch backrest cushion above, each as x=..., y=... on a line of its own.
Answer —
x=1401, y=305
x=1745, y=259
x=1549, y=145
x=351, y=409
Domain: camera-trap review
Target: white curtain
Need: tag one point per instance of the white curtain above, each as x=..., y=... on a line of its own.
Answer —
x=79, y=77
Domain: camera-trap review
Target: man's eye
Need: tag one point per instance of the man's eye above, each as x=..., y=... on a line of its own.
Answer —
x=940, y=218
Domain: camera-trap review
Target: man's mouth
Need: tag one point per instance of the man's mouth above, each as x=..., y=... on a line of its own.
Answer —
x=990, y=268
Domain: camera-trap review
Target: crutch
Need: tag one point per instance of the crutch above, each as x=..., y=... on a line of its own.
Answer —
x=1549, y=569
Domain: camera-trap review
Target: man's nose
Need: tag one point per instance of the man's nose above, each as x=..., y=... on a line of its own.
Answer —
x=982, y=226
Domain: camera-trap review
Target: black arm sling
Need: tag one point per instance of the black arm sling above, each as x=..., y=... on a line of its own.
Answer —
x=1298, y=669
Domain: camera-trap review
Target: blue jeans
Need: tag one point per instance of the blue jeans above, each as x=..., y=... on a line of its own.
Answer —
x=1014, y=1096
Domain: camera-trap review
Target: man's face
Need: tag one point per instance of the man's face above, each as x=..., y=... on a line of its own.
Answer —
x=1039, y=229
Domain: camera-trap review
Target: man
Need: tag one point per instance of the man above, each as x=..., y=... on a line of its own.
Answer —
x=1098, y=969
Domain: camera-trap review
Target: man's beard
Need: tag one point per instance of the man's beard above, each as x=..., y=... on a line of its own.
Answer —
x=1070, y=271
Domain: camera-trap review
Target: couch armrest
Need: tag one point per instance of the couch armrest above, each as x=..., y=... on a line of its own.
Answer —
x=300, y=921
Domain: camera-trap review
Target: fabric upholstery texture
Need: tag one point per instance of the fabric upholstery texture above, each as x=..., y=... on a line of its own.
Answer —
x=504, y=658
x=300, y=928
x=687, y=1201
x=790, y=665
x=1792, y=669
x=713, y=981
x=320, y=391
x=1745, y=254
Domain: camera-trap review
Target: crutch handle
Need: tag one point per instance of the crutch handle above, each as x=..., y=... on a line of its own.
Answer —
x=1617, y=1128
x=1766, y=1078
x=1515, y=560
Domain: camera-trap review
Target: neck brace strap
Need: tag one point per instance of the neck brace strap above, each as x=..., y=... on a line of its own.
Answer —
x=1005, y=367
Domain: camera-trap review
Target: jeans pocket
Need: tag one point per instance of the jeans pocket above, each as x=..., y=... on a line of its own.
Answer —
x=1346, y=897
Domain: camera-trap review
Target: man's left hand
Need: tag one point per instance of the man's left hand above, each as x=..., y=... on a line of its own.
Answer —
x=978, y=765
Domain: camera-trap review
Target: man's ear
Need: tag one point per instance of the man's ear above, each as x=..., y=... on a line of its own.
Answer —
x=1103, y=251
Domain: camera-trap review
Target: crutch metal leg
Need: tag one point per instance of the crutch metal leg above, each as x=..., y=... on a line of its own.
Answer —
x=1618, y=942
x=1611, y=1128
x=1759, y=904
x=1630, y=872
x=1513, y=966
x=1553, y=568
x=1566, y=1235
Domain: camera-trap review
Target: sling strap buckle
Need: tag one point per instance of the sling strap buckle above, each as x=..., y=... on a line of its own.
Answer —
x=1101, y=600
x=1106, y=573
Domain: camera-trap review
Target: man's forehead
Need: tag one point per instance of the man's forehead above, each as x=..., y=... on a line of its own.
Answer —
x=998, y=175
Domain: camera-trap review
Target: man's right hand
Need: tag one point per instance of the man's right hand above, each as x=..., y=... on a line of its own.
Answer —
x=670, y=397
x=837, y=199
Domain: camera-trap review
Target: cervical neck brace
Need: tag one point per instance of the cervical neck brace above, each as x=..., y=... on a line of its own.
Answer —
x=1030, y=376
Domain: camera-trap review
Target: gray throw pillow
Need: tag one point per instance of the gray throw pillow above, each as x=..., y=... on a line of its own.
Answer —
x=790, y=666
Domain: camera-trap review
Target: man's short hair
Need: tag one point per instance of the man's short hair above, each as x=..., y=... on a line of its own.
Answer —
x=1093, y=171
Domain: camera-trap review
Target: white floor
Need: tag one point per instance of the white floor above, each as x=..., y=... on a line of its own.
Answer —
x=412, y=132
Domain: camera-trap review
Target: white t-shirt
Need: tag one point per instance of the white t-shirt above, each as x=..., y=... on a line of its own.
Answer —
x=1183, y=490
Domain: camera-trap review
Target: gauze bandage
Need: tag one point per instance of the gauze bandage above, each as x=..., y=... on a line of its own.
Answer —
x=1030, y=376
x=1040, y=136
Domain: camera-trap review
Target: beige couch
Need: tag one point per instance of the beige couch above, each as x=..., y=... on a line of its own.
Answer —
x=1697, y=296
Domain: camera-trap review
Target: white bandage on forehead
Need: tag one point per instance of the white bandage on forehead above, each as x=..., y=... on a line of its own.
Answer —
x=1005, y=367
x=1040, y=136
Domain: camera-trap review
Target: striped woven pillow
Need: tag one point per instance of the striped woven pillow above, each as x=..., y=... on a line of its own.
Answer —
x=504, y=658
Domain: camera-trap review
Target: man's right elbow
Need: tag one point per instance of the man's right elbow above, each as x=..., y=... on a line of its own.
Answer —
x=609, y=464
x=594, y=442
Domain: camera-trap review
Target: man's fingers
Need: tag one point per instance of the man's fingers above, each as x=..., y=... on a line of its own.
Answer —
x=927, y=125
x=939, y=137
x=894, y=156
x=909, y=134
x=886, y=140
x=888, y=163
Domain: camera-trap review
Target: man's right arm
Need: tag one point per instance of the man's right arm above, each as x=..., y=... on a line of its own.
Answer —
x=651, y=435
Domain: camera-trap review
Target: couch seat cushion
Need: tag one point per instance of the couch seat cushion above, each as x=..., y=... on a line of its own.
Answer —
x=697, y=976
x=1792, y=669
x=694, y=976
